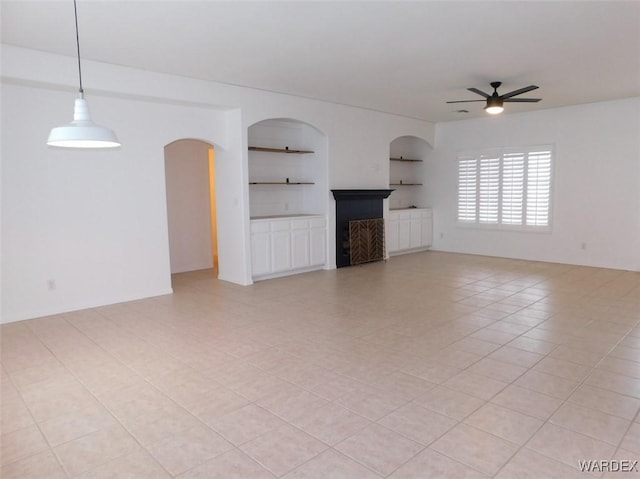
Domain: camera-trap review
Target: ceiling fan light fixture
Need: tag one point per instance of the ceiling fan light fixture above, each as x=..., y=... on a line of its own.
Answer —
x=495, y=100
x=494, y=110
x=494, y=106
x=82, y=132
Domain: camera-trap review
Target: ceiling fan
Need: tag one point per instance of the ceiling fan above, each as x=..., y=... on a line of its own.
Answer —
x=495, y=101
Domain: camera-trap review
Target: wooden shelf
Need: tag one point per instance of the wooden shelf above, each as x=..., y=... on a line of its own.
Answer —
x=403, y=159
x=279, y=150
x=405, y=184
x=281, y=183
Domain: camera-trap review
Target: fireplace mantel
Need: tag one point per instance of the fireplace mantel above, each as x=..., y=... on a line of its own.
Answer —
x=354, y=194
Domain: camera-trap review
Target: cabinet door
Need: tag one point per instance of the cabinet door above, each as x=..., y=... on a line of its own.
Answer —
x=427, y=230
x=318, y=244
x=404, y=233
x=416, y=233
x=260, y=254
x=280, y=251
x=300, y=248
x=392, y=235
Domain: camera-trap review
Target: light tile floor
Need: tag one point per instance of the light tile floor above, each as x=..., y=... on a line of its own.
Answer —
x=429, y=365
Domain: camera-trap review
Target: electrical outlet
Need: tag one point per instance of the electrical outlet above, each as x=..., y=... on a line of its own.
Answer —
x=441, y=235
x=51, y=285
x=583, y=246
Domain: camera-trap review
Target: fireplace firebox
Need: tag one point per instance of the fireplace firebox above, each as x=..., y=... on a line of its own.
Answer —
x=352, y=206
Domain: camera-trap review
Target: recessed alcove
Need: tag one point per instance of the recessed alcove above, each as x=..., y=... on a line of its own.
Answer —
x=287, y=168
x=287, y=162
x=407, y=172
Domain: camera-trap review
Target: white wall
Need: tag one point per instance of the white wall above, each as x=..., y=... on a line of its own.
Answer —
x=188, y=205
x=93, y=222
x=96, y=222
x=596, y=184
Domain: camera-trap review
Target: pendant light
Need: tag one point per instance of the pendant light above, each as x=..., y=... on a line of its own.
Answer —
x=82, y=132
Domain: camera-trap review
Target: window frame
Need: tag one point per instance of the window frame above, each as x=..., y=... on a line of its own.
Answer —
x=463, y=188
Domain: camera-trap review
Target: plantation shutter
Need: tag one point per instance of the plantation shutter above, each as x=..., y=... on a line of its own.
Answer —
x=513, y=188
x=538, y=188
x=509, y=187
x=467, y=189
x=489, y=189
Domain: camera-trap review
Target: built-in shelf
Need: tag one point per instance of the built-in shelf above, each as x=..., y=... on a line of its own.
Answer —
x=286, y=169
x=286, y=149
x=281, y=183
x=406, y=171
x=401, y=158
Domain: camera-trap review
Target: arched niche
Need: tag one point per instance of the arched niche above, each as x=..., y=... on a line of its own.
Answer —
x=287, y=166
x=407, y=172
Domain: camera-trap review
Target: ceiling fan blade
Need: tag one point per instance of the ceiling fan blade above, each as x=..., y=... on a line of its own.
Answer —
x=522, y=100
x=463, y=101
x=479, y=92
x=518, y=92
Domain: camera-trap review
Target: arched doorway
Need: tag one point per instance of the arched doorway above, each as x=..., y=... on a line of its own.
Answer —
x=191, y=205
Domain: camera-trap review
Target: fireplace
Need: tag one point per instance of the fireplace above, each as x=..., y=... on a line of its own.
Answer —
x=367, y=241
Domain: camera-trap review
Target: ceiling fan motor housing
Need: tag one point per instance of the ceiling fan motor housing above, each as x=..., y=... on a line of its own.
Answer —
x=494, y=100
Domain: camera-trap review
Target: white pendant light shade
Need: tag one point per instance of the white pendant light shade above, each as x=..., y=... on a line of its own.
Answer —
x=82, y=132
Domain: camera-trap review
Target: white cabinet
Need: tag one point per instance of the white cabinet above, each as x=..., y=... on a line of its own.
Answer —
x=318, y=243
x=404, y=231
x=287, y=245
x=427, y=230
x=300, y=248
x=409, y=230
x=260, y=248
x=392, y=233
x=280, y=251
x=415, y=231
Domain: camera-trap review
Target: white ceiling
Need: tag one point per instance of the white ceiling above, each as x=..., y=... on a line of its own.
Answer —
x=407, y=58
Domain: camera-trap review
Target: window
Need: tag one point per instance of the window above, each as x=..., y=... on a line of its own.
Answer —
x=510, y=188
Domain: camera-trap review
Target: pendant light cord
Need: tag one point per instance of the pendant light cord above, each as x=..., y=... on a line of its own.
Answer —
x=75, y=12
